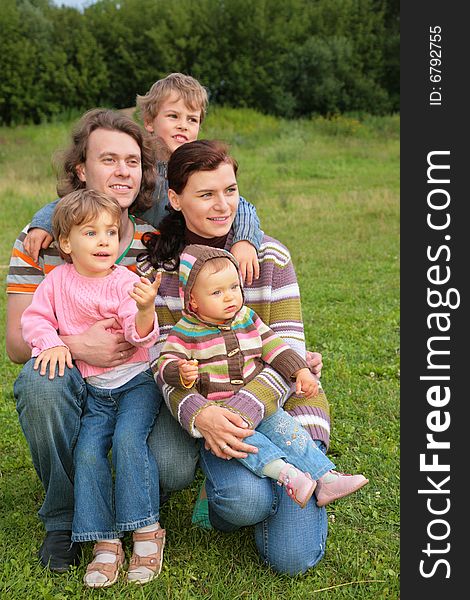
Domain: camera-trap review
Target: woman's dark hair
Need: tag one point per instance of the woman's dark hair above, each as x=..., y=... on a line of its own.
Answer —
x=164, y=249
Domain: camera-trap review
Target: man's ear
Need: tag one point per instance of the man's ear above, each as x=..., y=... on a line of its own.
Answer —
x=80, y=170
x=174, y=199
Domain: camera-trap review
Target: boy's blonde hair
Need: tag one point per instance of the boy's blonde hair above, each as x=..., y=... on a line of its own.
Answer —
x=191, y=91
x=81, y=206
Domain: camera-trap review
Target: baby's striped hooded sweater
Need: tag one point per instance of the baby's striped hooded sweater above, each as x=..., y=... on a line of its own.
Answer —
x=275, y=298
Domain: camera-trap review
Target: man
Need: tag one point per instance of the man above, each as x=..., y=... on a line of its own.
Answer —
x=111, y=154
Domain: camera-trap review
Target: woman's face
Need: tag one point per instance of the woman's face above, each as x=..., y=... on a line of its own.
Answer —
x=209, y=201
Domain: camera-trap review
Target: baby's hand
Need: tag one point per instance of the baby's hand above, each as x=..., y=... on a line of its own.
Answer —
x=36, y=239
x=58, y=356
x=188, y=371
x=145, y=292
x=247, y=258
x=306, y=383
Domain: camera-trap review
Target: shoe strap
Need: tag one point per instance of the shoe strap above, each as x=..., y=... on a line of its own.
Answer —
x=149, y=536
x=100, y=547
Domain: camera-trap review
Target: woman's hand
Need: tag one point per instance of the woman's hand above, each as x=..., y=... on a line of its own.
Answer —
x=224, y=432
x=247, y=258
x=314, y=362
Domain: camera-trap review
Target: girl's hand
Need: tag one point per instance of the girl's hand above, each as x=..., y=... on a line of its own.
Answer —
x=247, y=258
x=314, y=361
x=35, y=240
x=58, y=356
x=189, y=371
x=224, y=432
x=306, y=383
x=145, y=292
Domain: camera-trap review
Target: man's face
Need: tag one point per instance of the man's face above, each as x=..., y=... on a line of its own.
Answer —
x=176, y=123
x=112, y=166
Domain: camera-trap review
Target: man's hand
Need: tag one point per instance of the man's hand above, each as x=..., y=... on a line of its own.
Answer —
x=306, y=383
x=224, y=432
x=247, y=258
x=189, y=371
x=59, y=357
x=99, y=347
x=314, y=362
x=35, y=240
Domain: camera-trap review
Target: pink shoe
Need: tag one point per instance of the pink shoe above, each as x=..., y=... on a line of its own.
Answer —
x=300, y=486
x=333, y=485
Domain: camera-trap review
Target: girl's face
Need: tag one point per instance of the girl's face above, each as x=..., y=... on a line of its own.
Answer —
x=209, y=202
x=93, y=246
x=216, y=297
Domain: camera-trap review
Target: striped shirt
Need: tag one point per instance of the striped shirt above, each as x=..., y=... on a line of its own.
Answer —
x=25, y=274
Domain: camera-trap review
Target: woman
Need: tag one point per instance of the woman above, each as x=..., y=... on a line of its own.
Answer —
x=204, y=198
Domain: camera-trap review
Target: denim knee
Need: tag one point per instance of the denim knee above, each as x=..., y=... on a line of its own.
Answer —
x=47, y=407
x=175, y=451
x=237, y=496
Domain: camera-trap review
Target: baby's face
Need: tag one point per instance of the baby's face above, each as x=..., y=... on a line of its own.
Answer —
x=176, y=123
x=217, y=297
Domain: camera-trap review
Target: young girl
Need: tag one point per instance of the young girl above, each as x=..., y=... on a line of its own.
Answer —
x=219, y=345
x=122, y=402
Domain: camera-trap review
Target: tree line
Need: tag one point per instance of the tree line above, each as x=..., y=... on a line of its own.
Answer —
x=289, y=58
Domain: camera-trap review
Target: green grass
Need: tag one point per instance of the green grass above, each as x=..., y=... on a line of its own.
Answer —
x=328, y=189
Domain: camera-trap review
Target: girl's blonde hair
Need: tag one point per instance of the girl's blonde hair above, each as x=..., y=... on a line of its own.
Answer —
x=82, y=206
x=189, y=89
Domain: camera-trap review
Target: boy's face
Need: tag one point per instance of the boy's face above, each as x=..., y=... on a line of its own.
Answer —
x=112, y=166
x=216, y=297
x=93, y=246
x=176, y=123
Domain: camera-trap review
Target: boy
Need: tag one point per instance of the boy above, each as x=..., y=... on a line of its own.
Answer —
x=172, y=112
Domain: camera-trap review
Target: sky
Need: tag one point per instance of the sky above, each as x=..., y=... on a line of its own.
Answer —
x=74, y=3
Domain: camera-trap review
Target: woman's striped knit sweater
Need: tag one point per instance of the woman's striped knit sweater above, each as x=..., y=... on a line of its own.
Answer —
x=274, y=296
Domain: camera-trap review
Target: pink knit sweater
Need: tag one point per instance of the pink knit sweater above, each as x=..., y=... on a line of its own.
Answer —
x=67, y=303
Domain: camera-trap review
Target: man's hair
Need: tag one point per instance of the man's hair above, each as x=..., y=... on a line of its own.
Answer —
x=75, y=154
x=189, y=89
x=79, y=207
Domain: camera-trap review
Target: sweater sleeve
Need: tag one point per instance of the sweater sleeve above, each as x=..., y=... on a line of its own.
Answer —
x=277, y=353
x=39, y=324
x=43, y=218
x=246, y=225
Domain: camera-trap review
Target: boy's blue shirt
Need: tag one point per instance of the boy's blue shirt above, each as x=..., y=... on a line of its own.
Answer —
x=246, y=225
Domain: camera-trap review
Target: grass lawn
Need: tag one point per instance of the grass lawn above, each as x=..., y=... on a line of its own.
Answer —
x=329, y=190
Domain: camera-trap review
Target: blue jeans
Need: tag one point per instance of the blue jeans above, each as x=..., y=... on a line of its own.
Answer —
x=49, y=412
x=121, y=418
x=290, y=539
x=281, y=436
